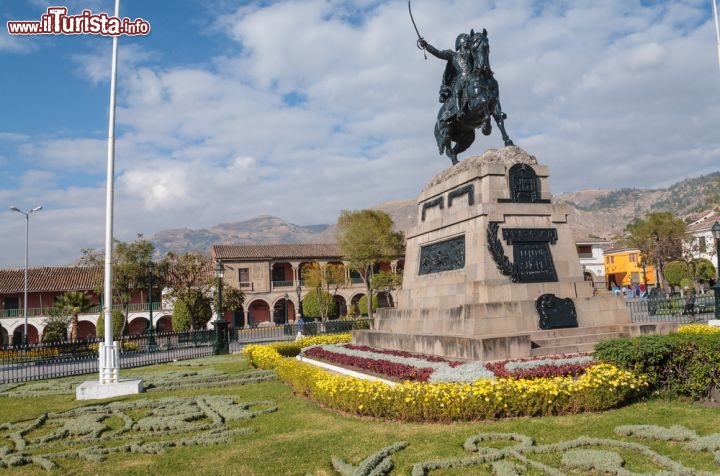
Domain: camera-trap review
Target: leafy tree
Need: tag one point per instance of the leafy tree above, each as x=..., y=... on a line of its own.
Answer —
x=233, y=298
x=191, y=280
x=702, y=270
x=323, y=279
x=389, y=282
x=118, y=323
x=73, y=303
x=319, y=304
x=366, y=237
x=129, y=271
x=363, y=307
x=193, y=314
x=676, y=272
x=659, y=237
x=180, y=316
x=56, y=327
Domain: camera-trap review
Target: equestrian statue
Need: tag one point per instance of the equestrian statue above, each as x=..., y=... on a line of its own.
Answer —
x=469, y=93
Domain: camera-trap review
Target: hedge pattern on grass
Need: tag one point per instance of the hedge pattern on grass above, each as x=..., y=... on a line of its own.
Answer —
x=139, y=426
x=601, y=387
x=515, y=454
x=154, y=382
x=685, y=363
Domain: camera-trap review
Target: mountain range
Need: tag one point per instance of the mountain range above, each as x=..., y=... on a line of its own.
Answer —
x=594, y=214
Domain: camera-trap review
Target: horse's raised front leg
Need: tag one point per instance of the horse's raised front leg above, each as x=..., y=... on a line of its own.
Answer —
x=500, y=117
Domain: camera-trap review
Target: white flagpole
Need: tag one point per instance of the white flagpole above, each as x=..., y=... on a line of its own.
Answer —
x=109, y=365
x=717, y=27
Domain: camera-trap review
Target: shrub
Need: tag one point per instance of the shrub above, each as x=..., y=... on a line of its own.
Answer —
x=362, y=304
x=56, y=329
x=320, y=304
x=679, y=364
x=117, y=320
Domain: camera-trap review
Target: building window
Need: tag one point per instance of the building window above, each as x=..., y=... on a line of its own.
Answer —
x=610, y=259
x=633, y=257
x=702, y=245
x=244, y=277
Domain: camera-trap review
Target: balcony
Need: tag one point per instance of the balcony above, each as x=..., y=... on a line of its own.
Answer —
x=282, y=284
x=45, y=311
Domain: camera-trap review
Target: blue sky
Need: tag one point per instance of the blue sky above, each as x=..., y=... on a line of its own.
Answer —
x=299, y=109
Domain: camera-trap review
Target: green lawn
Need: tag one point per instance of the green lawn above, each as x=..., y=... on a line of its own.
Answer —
x=299, y=438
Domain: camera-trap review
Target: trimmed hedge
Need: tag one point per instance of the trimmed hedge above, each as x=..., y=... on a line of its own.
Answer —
x=686, y=363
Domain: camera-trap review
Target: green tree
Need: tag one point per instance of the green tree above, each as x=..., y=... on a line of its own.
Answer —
x=118, y=323
x=180, y=316
x=192, y=312
x=73, y=303
x=363, y=307
x=659, y=237
x=56, y=327
x=366, y=237
x=191, y=279
x=676, y=272
x=389, y=282
x=319, y=304
x=702, y=270
x=129, y=271
x=233, y=298
x=324, y=280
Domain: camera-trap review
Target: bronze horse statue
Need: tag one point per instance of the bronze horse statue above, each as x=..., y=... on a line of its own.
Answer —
x=470, y=95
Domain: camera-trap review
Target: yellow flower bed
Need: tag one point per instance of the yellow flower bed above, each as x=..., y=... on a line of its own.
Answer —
x=267, y=356
x=603, y=386
x=698, y=329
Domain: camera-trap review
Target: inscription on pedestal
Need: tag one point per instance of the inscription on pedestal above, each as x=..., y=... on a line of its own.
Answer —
x=532, y=259
x=524, y=185
x=556, y=312
x=442, y=256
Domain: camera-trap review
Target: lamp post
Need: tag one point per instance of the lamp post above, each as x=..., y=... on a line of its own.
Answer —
x=152, y=344
x=298, y=290
x=716, y=234
x=222, y=343
x=27, y=234
x=643, y=263
x=286, y=308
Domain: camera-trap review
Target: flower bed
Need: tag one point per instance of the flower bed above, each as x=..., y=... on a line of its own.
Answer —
x=601, y=387
x=401, y=365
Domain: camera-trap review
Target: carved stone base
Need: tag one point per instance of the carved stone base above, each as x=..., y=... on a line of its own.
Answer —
x=487, y=246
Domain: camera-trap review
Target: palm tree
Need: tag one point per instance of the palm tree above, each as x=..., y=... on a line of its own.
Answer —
x=73, y=303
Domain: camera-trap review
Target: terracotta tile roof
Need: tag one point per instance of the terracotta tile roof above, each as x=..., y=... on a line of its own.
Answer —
x=58, y=278
x=282, y=251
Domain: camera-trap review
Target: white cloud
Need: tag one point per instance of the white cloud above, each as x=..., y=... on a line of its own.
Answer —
x=607, y=94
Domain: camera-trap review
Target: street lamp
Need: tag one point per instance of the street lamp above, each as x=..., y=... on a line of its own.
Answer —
x=298, y=290
x=152, y=344
x=286, y=308
x=222, y=343
x=716, y=234
x=27, y=231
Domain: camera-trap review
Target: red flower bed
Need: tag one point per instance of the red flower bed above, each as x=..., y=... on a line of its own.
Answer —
x=541, y=371
x=402, y=353
x=392, y=370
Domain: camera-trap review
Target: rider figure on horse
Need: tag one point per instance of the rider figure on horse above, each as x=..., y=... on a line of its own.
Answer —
x=469, y=93
x=457, y=73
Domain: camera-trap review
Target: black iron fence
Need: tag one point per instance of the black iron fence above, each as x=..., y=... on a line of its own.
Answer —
x=678, y=309
x=63, y=359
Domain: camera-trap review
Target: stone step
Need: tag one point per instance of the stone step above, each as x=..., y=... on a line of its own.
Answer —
x=577, y=339
x=562, y=349
x=573, y=331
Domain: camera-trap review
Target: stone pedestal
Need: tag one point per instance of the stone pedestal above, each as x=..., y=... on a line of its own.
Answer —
x=491, y=262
